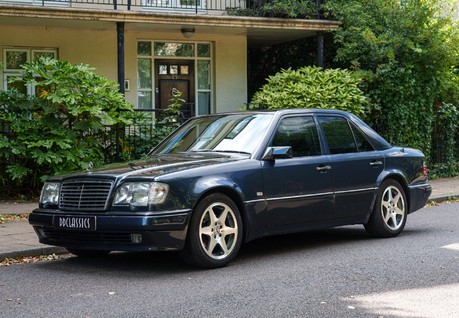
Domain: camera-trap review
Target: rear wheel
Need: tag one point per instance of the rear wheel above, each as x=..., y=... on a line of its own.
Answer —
x=389, y=216
x=214, y=234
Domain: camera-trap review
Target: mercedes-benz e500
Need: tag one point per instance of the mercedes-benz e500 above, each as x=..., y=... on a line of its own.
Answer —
x=221, y=180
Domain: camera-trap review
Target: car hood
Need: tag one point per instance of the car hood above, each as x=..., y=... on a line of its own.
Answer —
x=156, y=165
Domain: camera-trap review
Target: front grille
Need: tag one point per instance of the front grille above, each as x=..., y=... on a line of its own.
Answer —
x=87, y=237
x=85, y=195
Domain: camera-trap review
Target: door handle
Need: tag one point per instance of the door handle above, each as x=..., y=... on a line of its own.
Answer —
x=323, y=168
x=376, y=163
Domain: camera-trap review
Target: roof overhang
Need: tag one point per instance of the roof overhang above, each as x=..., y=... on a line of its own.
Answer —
x=259, y=31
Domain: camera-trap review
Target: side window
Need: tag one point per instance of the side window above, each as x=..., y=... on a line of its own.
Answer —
x=300, y=133
x=362, y=142
x=338, y=134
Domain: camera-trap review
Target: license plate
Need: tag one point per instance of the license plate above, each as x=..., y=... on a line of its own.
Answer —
x=76, y=222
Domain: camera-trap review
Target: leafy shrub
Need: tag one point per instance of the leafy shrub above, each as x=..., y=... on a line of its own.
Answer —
x=313, y=87
x=289, y=8
x=242, y=12
x=276, y=8
x=61, y=128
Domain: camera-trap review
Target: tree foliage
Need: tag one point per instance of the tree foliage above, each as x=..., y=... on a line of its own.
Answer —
x=408, y=49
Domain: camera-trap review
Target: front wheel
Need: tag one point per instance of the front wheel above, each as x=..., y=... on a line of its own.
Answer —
x=214, y=234
x=389, y=216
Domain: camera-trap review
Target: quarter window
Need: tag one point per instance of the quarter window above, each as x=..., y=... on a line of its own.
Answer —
x=362, y=142
x=300, y=133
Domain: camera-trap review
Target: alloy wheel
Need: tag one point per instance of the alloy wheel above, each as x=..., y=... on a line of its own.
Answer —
x=218, y=230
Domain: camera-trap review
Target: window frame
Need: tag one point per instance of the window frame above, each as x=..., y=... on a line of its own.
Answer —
x=19, y=72
x=196, y=58
x=326, y=138
x=317, y=142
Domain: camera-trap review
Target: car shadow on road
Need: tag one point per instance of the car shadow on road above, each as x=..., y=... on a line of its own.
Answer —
x=260, y=250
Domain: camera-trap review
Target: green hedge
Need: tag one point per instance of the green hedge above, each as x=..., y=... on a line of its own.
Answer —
x=313, y=87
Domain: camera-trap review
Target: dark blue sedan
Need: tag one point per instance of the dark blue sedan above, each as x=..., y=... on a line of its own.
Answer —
x=225, y=179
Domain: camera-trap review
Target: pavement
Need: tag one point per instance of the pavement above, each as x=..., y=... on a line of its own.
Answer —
x=18, y=239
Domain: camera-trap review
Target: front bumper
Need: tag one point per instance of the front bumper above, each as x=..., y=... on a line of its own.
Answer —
x=113, y=232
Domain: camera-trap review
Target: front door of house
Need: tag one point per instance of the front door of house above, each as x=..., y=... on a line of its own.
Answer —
x=171, y=75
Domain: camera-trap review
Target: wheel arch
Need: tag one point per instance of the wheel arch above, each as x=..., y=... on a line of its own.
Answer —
x=378, y=224
x=235, y=196
x=400, y=179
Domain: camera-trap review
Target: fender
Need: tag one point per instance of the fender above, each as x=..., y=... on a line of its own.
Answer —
x=211, y=183
x=395, y=174
x=253, y=212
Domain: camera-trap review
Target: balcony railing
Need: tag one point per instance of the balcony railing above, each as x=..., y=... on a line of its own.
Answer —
x=265, y=8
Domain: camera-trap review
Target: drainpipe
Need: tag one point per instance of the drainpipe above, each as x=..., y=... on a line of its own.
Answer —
x=320, y=49
x=120, y=39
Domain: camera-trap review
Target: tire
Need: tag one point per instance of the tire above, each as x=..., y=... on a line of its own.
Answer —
x=390, y=212
x=87, y=253
x=214, y=234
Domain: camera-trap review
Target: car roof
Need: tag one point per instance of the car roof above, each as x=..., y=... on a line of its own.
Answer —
x=377, y=140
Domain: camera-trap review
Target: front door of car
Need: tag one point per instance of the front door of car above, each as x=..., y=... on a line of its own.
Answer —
x=355, y=164
x=299, y=189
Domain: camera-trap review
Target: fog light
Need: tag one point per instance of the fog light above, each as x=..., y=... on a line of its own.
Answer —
x=136, y=238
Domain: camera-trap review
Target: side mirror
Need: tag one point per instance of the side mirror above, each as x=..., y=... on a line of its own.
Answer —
x=273, y=153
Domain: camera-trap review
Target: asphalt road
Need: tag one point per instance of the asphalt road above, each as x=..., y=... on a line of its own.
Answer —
x=334, y=273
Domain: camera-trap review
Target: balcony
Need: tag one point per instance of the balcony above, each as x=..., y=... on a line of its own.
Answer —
x=248, y=8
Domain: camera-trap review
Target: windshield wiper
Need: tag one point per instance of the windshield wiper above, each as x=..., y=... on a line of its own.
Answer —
x=214, y=150
x=234, y=151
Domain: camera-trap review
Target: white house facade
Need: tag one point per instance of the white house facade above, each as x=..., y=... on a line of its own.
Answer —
x=149, y=46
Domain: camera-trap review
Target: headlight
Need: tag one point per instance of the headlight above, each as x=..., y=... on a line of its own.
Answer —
x=50, y=193
x=141, y=193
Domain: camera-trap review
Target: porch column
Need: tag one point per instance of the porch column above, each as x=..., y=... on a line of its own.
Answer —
x=320, y=49
x=120, y=40
x=320, y=37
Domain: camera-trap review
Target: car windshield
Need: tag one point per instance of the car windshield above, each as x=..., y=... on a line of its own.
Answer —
x=221, y=133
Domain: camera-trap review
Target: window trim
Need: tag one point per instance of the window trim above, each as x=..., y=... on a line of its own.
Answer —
x=325, y=137
x=195, y=58
x=317, y=129
x=19, y=73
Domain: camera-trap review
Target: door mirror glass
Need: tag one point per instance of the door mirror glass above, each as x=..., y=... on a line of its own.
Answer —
x=273, y=153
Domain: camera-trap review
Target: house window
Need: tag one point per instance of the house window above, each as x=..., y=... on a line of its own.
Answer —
x=13, y=58
x=160, y=64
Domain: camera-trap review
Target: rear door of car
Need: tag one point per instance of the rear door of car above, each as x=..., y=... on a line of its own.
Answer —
x=299, y=189
x=356, y=166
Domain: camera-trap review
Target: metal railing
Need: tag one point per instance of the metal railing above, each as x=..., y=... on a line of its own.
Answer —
x=132, y=141
x=122, y=142
x=217, y=7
